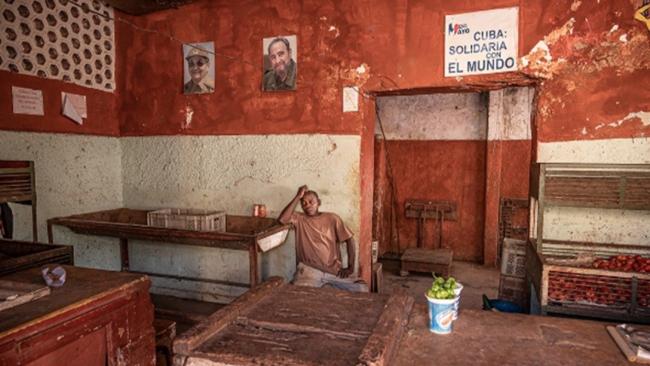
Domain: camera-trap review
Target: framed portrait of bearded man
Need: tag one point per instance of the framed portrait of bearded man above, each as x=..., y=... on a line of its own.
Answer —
x=280, y=63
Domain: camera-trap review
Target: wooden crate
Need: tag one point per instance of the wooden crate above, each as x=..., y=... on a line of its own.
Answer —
x=513, y=258
x=188, y=219
x=513, y=289
x=585, y=291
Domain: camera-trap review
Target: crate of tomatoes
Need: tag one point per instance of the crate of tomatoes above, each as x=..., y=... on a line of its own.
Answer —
x=615, y=287
x=624, y=263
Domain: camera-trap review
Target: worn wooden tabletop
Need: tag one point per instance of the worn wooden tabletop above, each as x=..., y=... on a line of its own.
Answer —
x=281, y=324
x=82, y=285
x=490, y=338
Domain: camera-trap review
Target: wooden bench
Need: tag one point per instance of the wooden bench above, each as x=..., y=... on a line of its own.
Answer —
x=427, y=260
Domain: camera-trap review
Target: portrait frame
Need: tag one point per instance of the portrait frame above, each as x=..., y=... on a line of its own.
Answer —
x=197, y=81
x=280, y=67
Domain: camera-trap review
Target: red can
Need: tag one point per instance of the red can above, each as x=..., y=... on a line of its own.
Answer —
x=259, y=210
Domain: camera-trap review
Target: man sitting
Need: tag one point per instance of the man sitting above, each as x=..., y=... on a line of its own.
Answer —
x=318, y=235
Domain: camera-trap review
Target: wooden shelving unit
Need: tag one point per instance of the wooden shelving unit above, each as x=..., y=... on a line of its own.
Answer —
x=17, y=184
x=560, y=271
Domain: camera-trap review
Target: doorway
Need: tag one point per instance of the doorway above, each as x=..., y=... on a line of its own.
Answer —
x=468, y=149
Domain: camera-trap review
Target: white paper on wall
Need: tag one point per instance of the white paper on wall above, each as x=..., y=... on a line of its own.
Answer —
x=351, y=99
x=74, y=107
x=27, y=101
x=78, y=101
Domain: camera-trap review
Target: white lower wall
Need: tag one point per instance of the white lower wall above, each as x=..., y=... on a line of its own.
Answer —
x=74, y=174
x=609, y=151
x=232, y=173
x=77, y=174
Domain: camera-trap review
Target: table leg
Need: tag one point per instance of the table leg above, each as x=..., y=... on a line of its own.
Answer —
x=124, y=254
x=255, y=272
x=50, y=235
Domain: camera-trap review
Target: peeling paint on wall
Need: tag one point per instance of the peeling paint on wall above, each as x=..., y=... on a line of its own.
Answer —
x=539, y=62
x=575, y=5
x=335, y=30
x=593, y=73
x=189, y=113
x=644, y=117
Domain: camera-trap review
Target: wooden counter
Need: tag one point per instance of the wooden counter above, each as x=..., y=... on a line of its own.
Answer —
x=490, y=338
x=96, y=316
x=252, y=234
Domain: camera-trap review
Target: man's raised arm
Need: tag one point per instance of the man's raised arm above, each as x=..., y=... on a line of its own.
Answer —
x=285, y=216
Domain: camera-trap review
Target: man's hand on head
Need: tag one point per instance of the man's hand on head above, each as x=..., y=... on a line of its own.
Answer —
x=345, y=272
x=301, y=191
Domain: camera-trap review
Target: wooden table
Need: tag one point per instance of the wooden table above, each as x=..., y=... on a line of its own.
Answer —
x=252, y=234
x=281, y=324
x=97, y=316
x=489, y=338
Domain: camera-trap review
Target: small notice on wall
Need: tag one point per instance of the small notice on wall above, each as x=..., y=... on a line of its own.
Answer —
x=482, y=42
x=74, y=107
x=27, y=101
x=351, y=99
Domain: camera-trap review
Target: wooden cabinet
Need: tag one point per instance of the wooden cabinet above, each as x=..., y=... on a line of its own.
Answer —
x=96, y=318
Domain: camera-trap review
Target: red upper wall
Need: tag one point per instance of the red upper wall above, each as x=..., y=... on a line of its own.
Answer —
x=153, y=98
x=599, y=73
x=400, y=43
x=592, y=88
x=103, y=107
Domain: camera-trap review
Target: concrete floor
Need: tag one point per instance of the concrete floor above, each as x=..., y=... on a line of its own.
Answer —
x=476, y=279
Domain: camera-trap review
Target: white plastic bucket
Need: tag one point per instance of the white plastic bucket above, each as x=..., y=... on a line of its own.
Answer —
x=441, y=315
x=457, y=291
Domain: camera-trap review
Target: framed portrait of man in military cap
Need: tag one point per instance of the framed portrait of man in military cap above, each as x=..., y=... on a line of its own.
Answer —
x=198, y=59
x=280, y=63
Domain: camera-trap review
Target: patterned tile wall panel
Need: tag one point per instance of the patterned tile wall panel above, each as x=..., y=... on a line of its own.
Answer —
x=65, y=40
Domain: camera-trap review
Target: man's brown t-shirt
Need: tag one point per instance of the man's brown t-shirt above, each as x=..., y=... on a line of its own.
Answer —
x=317, y=239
